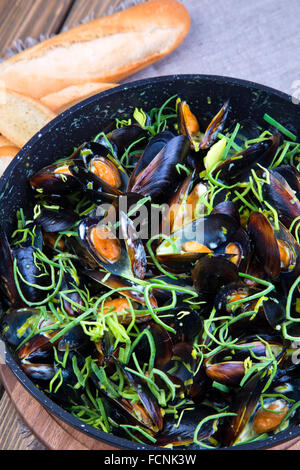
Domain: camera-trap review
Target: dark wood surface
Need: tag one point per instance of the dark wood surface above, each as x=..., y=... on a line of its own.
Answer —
x=20, y=19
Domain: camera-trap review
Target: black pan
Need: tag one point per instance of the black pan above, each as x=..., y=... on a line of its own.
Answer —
x=205, y=94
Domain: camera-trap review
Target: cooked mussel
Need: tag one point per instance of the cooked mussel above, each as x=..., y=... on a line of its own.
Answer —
x=135, y=292
x=228, y=365
x=243, y=406
x=265, y=244
x=16, y=325
x=155, y=145
x=110, y=252
x=160, y=177
x=196, y=239
x=55, y=179
x=188, y=124
x=184, y=435
x=210, y=273
x=238, y=168
x=278, y=193
x=121, y=138
x=215, y=126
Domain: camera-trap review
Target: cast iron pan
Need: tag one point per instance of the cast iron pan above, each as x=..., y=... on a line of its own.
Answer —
x=205, y=94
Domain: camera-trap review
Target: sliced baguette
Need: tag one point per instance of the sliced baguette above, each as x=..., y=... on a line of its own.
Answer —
x=106, y=49
x=21, y=117
x=67, y=97
x=7, y=154
x=4, y=141
x=9, y=151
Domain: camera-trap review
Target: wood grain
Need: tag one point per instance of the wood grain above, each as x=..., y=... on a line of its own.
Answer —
x=81, y=10
x=22, y=18
x=10, y=435
x=52, y=432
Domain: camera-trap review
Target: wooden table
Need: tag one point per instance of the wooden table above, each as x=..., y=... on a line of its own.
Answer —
x=21, y=19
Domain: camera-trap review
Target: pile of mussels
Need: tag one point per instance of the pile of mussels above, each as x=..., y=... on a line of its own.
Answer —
x=179, y=332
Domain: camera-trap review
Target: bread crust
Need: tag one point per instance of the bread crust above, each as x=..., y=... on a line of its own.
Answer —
x=9, y=151
x=61, y=100
x=124, y=43
x=21, y=117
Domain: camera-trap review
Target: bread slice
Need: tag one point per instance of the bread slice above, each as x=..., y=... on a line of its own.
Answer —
x=7, y=154
x=21, y=117
x=106, y=49
x=4, y=141
x=9, y=151
x=67, y=97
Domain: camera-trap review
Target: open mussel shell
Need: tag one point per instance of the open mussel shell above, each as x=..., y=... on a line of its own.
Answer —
x=196, y=239
x=55, y=179
x=104, y=247
x=8, y=286
x=52, y=220
x=120, y=257
x=185, y=205
x=232, y=292
x=243, y=405
x=211, y=273
x=188, y=124
x=134, y=245
x=186, y=321
x=237, y=249
x=121, y=138
x=16, y=325
x=289, y=257
x=228, y=208
x=183, y=435
x=291, y=176
x=38, y=349
x=175, y=215
x=278, y=193
x=228, y=365
x=133, y=291
x=99, y=160
x=164, y=346
x=160, y=177
x=155, y=145
x=237, y=169
x=146, y=413
x=96, y=188
x=215, y=126
x=31, y=277
x=265, y=244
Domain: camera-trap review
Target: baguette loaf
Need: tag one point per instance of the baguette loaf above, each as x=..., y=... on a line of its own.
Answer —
x=21, y=117
x=67, y=97
x=9, y=151
x=106, y=49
